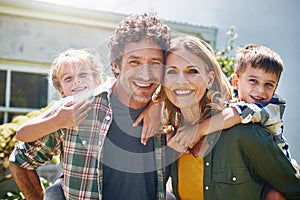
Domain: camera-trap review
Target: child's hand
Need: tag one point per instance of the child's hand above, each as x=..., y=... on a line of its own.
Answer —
x=188, y=136
x=151, y=121
x=171, y=142
x=188, y=139
x=71, y=114
x=200, y=149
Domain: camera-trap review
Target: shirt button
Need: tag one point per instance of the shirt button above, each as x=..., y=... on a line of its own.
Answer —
x=234, y=178
x=83, y=142
x=206, y=187
x=207, y=164
x=107, y=118
x=100, y=143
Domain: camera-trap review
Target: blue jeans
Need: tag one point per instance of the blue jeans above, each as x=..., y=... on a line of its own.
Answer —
x=170, y=196
x=55, y=191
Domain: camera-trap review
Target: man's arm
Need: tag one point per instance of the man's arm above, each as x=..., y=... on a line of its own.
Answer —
x=28, y=182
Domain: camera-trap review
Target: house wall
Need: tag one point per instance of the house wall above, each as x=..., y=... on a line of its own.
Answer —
x=30, y=39
x=36, y=40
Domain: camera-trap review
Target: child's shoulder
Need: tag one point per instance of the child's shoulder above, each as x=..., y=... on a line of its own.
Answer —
x=277, y=99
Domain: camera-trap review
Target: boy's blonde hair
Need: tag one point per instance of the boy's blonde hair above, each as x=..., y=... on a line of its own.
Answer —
x=258, y=56
x=74, y=56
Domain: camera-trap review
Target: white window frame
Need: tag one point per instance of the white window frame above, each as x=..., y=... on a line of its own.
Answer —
x=25, y=67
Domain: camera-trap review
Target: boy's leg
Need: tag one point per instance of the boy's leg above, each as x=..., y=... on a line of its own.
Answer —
x=28, y=182
x=55, y=191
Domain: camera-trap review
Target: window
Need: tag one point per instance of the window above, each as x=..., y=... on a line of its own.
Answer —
x=23, y=88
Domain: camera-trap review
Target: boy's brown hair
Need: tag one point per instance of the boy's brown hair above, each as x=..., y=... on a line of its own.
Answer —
x=258, y=56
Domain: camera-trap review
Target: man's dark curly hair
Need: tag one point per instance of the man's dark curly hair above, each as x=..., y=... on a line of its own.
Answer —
x=134, y=28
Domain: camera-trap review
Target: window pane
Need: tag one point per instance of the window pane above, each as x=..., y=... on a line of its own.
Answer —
x=1, y=117
x=2, y=87
x=28, y=90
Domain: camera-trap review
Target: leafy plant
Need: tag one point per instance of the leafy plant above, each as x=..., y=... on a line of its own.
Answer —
x=7, y=143
x=8, y=132
x=19, y=195
x=224, y=56
x=13, y=196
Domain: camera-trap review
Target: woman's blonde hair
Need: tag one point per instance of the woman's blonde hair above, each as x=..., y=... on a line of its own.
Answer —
x=216, y=96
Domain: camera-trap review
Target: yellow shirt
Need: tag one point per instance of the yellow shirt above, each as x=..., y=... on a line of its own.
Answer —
x=190, y=177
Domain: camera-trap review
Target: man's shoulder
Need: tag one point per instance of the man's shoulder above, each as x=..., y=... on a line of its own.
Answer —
x=106, y=87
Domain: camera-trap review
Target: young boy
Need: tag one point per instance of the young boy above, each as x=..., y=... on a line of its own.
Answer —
x=74, y=74
x=255, y=80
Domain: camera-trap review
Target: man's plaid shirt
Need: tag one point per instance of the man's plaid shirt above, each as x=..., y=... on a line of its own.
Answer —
x=82, y=157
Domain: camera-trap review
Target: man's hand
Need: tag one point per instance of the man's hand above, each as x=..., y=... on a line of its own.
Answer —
x=151, y=121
